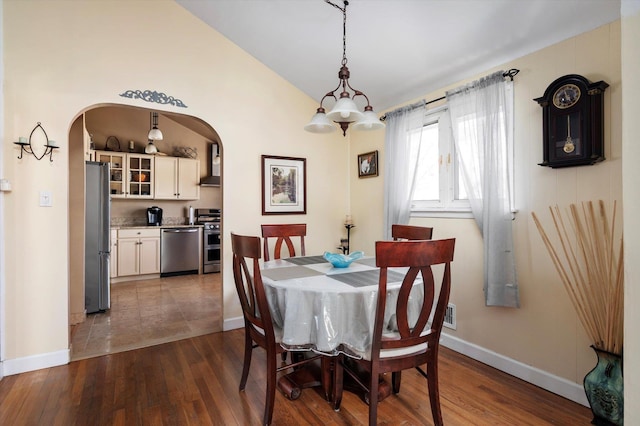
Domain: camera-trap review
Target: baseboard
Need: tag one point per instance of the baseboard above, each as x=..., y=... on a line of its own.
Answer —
x=233, y=323
x=535, y=376
x=36, y=362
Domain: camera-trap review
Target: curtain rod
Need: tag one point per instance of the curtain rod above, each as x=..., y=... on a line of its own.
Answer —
x=511, y=73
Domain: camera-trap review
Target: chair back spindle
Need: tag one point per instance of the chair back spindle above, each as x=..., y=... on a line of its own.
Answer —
x=283, y=233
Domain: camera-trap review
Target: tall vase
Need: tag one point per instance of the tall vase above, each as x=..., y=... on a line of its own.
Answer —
x=604, y=388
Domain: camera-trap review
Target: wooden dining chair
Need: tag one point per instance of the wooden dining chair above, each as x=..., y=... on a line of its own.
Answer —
x=411, y=345
x=259, y=330
x=407, y=232
x=283, y=234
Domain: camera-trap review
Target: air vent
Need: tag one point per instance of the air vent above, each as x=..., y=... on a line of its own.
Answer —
x=450, y=316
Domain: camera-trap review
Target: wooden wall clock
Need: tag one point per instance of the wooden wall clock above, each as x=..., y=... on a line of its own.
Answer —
x=573, y=122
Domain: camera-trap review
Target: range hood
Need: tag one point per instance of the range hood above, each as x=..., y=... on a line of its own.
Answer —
x=214, y=167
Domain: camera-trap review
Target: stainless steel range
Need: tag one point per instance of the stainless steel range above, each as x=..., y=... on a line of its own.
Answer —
x=211, y=250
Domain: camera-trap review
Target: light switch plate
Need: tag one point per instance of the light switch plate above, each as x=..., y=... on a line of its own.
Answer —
x=45, y=199
x=5, y=185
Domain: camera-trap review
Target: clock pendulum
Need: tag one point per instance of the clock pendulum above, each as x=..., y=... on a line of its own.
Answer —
x=569, y=146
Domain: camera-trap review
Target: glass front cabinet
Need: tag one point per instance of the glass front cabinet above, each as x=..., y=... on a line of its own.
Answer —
x=131, y=175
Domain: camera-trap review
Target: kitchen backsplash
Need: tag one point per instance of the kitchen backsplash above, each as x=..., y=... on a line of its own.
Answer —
x=141, y=221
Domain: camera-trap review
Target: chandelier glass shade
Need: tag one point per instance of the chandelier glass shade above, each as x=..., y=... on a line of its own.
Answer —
x=150, y=148
x=345, y=111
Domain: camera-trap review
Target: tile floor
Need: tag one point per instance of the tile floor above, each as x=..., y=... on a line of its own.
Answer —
x=150, y=312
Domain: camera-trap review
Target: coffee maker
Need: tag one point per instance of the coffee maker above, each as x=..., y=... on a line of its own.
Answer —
x=154, y=216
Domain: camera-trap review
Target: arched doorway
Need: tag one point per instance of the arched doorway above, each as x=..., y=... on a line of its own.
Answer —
x=123, y=129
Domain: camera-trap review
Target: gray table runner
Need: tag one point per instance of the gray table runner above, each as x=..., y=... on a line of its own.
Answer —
x=289, y=272
x=306, y=260
x=366, y=278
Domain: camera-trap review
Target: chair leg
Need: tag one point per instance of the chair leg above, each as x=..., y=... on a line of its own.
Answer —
x=434, y=392
x=271, y=388
x=248, y=349
x=396, y=377
x=338, y=383
x=373, y=397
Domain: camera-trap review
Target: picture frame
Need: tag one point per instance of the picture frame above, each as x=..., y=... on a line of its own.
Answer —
x=284, y=185
x=368, y=164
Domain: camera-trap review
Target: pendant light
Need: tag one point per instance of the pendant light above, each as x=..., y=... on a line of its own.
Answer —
x=345, y=111
x=150, y=148
x=215, y=152
x=154, y=134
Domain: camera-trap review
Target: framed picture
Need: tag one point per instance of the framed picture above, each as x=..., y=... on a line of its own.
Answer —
x=284, y=185
x=368, y=164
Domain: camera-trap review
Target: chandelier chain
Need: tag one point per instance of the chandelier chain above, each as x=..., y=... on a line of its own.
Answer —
x=344, y=28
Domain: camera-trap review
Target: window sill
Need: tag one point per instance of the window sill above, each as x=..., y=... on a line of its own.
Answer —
x=447, y=214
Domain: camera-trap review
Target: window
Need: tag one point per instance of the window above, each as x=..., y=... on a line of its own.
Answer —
x=438, y=187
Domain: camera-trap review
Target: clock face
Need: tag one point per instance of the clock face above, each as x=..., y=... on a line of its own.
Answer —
x=566, y=96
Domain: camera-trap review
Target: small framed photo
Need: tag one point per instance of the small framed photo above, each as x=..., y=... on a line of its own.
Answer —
x=284, y=185
x=368, y=164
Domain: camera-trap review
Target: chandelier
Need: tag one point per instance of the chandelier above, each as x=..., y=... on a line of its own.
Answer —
x=345, y=110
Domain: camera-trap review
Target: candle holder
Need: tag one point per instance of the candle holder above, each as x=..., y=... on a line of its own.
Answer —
x=348, y=226
x=25, y=146
x=344, y=245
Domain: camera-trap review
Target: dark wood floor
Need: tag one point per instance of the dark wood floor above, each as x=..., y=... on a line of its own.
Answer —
x=195, y=382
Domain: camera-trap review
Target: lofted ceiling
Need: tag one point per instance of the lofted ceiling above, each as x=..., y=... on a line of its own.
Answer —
x=397, y=50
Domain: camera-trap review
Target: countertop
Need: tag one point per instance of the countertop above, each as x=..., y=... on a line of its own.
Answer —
x=155, y=227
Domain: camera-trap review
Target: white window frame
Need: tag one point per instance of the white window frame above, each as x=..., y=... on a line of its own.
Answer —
x=447, y=206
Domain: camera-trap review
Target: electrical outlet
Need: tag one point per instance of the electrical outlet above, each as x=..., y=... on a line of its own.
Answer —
x=46, y=199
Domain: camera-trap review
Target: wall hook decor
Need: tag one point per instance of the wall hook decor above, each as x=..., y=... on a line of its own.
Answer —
x=26, y=146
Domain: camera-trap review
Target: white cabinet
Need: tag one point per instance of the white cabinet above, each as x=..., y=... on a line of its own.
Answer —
x=138, y=251
x=131, y=174
x=177, y=178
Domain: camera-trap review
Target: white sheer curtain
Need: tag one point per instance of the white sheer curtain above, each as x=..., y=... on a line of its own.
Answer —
x=482, y=124
x=400, y=167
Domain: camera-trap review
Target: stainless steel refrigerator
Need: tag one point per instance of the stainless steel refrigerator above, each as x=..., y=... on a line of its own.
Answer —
x=96, y=235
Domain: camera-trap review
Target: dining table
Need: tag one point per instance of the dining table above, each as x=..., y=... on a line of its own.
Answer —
x=323, y=309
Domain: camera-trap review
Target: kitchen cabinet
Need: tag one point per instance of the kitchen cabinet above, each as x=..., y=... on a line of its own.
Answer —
x=177, y=178
x=113, y=260
x=131, y=174
x=138, y=251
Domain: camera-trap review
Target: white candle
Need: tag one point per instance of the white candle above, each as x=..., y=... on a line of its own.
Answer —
x=348, y=220
x=131, y=145
x=53, y=143
x=22, y=139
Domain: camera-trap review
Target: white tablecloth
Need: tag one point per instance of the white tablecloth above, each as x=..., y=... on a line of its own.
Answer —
x=327, y=309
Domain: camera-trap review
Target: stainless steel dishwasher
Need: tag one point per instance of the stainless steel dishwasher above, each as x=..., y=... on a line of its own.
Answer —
x=179, y=251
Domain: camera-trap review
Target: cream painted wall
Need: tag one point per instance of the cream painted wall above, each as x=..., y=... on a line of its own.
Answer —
x=630, y=12
x=544, y=333
x=94, y=52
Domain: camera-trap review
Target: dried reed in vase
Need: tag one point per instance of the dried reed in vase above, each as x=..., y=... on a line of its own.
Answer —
x=590, y=263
